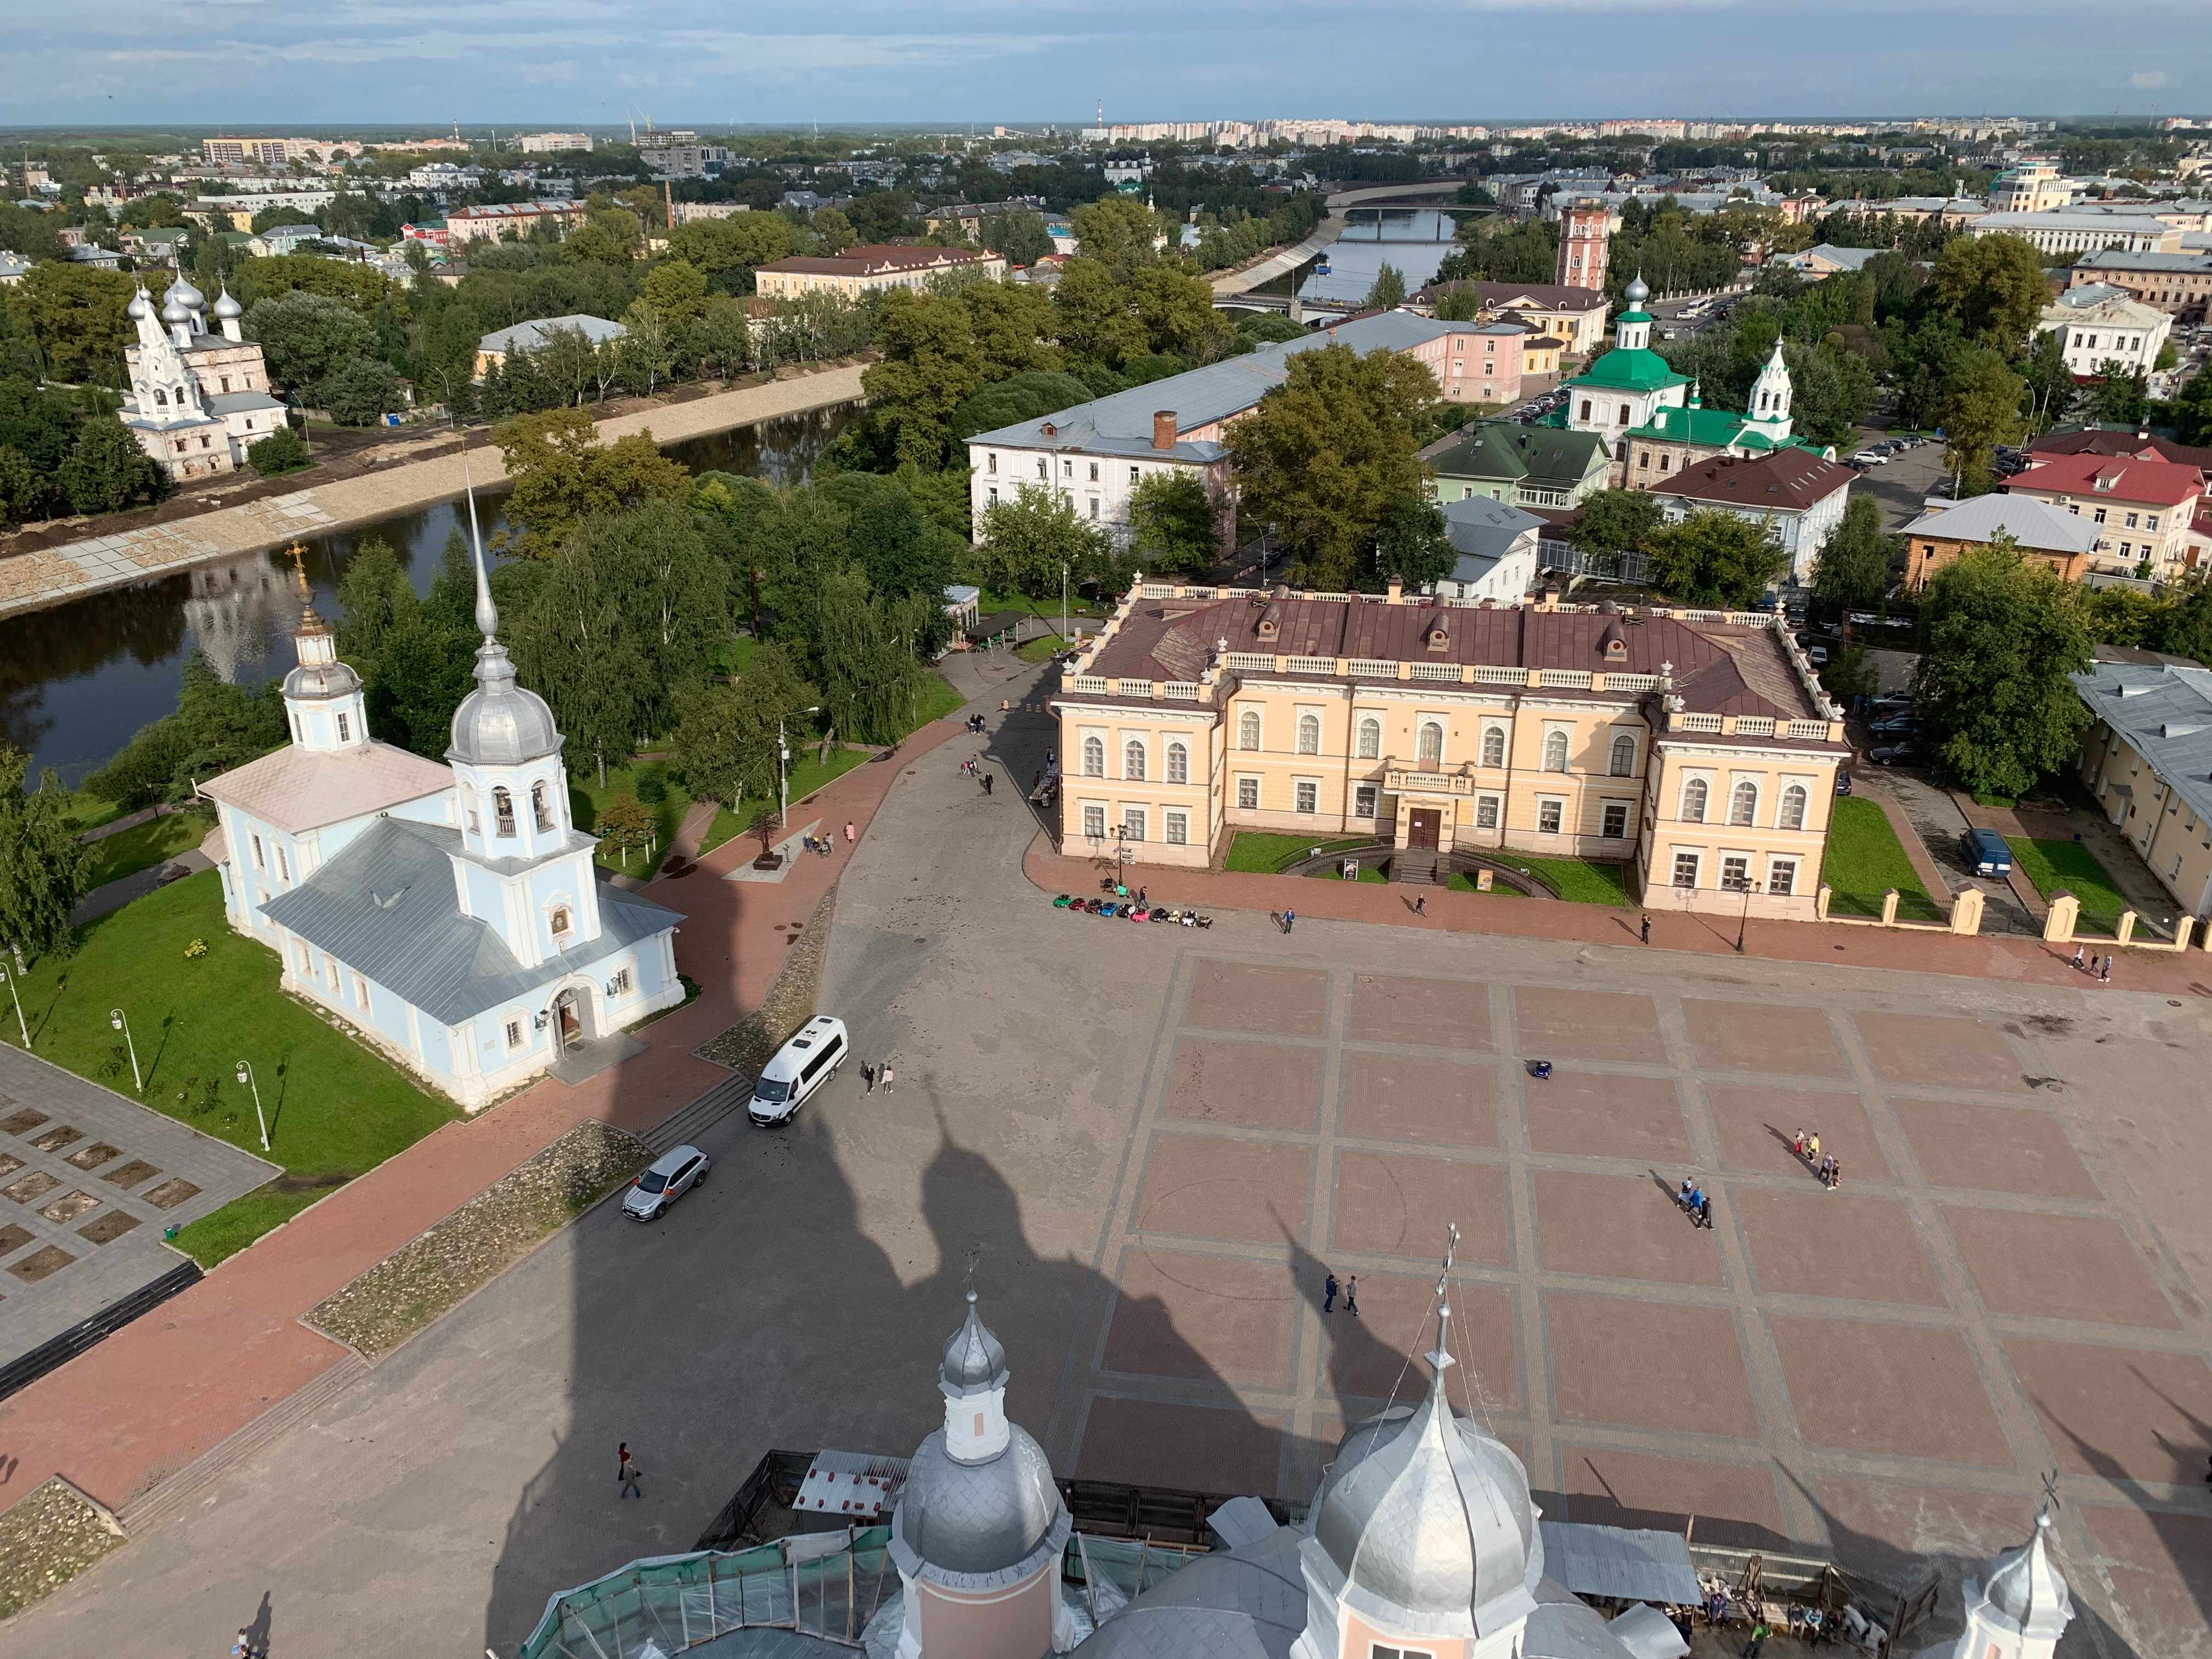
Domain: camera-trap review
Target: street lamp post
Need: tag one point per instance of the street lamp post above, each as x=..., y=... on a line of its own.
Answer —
x=783, y=766
x=1743, y=921
x=16, y=992
x=245, y=1076
x=115, y=1020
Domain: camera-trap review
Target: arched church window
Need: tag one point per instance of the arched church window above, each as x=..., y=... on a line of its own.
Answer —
x=469, y=805
x=503, y=811
x=160, y=397
x=1624, y=413
x=540, y=806
x=345, y=728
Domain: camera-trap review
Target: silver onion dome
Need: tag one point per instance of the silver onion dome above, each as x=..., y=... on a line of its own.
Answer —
x=1637, y=292
x=140, y=306
x=501, y=723
x=226, y=307
x=2026, y=1586
x=181, y=292
x=974, y=1360
x=978, y=1518
x=175, y=311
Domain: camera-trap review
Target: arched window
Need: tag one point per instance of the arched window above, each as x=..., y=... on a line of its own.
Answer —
x=1586, y=408
x=1555, y=751
x=1178, y=764
x=1308, y=734
x=561, y=921
x=503, y=811
x=469, y=805
x=1430, y=746
x=1693, y=801
x=1248, y=729
x=160, y=397
x=1624, y=413
x=1133, y=759
x=1370, y=739
x=1094, y=757
x=1743, y=803
x=1493, y=746
x=1793, y=807
x=1623, y=762
x=540, y=806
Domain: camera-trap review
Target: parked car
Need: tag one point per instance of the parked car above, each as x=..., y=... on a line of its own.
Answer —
x=803, y=1065
x=673, y=1174
x=1897, y=726
x=1887, y=707
x=1843, y=780
x=1984, y=853
x=1894, y=754
x=1870, y=457
x=1817, y=655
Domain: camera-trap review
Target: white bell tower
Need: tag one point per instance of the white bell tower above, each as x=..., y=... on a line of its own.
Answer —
x=1769, y=398
x=2020, y=1607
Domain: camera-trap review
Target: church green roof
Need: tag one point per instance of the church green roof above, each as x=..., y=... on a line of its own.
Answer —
x=1709, y=428
x=1630, y=370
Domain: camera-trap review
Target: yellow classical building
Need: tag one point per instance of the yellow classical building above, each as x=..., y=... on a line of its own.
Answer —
x=1696, y=747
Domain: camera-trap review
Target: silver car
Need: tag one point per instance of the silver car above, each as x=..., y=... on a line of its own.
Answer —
x=672, y=1174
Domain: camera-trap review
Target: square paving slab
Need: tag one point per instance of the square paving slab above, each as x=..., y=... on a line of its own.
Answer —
x=1209, y=1187
x=1363, y=1357
x=1189, y=1447
x=1687, y=1373
x=1731, y=1503
x=2057, y=1267
x=1941, y=1051
x=1757, y=1036
x=1260, y=1084
x=1997, y=1149
x=1756, y=1126
x=1402, y=1096
x=1234, y=996
x=1585, y=1024
x=1435, y=1013
x=1203, y=1318
x=1619, y=1227
x=1395, y=1206
x=1606, y=1115
x=1909, y=1390
x=2125, y=1413
x=1816, y=1242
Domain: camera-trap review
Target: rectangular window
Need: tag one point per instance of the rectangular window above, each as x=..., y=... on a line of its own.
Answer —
x=1781, y=877
x=1094, y=507
x=1094, y=823
x=2099, y=515
x=1247, y=794
x=1486, y=811
x=991, y=464
x=1365, y=799
x=1067, y=469
x=618, y=985
x=2132, y=519
x=1308, y=795
x=360, y=991
x=283, y=863
x=2151, y=523
x=1735, y=872
x=1136, y=474
x=1133, y=824
x=1551, y=815
x=302, y=956
x=1178, y=828
x=1615, y=824
x=259, y=862
x=1685, y=869
x=330, y=974
x=1094, y=472
x=345, y=727
x=514, y=1034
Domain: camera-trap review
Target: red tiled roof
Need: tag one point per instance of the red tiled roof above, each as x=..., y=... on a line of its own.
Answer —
x=2116, y=477
x=2121, y=443
x=1789, y=479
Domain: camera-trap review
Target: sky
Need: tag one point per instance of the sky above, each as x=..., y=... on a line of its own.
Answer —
x=332, y=63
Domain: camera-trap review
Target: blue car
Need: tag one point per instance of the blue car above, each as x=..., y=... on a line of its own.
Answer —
x=1984, y=853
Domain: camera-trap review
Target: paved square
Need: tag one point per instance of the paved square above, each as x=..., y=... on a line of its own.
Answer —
x=1387, y=1205
x=1208, y=1187
x=1756, y=1126
x=1933, y=1051
x=1997, y=1149
x=2057, y=1267
x=2133, y=1413
x=1607, y=1115
x=1689, y=1375
x=1812, y=1241
x=1585, y=1024
x=1364, y=1358
x=1619, y=1227
x=1229, y=996
x=1437, y=1014
x=1202, y=1319
x=1909, y=1389
x=1751, y=1036
x=1731, y=1502
x=1190, y=1448
x=1263, y=1084
x=1439, y=1103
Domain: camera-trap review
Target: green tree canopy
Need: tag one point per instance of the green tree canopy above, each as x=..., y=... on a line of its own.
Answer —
x=562, y=474
x=1615, y=521
x=306, y=338
x=1174, y=524
x=1389, y=292
x=931, y=362
x=77, y=314
x=360, y=391
x=1995, y=286
x=43, y=868
x=1025, y=544
x=1715, y=558
x=1980, y=411
x=1854, y=563
x=724, y=746
x=1412, y=544
x=107, y=469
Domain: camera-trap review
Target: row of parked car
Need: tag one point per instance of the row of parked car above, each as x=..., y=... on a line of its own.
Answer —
x=1883, y=454
x=1538, y=407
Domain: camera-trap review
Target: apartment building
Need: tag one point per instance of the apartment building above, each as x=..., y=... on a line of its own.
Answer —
x=496, y=221
x=1526, y=466
x=2147, y=757
x=1574, y=316
x=1796, y=496
x=1695, y=747
x=2067, y=232
x=2179, y=284
x=2141, y=508
x=2033, y=187
x=2100, y=323
x=552, y=143
x=2045, y=534
x=876, y=267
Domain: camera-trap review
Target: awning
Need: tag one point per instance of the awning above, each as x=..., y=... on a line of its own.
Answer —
x=1621, y=1564
x=1649, y=1633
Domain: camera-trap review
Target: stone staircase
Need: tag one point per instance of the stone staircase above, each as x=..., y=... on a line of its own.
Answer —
x=1417, y=866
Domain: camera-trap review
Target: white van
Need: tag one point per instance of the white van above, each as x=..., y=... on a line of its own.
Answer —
x=803, y=1065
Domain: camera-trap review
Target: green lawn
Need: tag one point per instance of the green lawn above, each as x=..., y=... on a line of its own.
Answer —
x=1865, y=858
x=938, y=700
x=88, y=812
x=145, y=845
x=1257, y=853
x=588, y=799
x=1577, y=879
x=1042, y=649
x=2052, y=865
x=807, y=775
x=335, y=1109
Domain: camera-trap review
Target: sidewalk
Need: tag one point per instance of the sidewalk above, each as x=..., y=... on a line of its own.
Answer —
x=166, y=1389
x=2002, y=956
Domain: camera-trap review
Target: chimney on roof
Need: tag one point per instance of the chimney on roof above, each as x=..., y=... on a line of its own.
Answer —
x=1394, y=593
x=1163, y=428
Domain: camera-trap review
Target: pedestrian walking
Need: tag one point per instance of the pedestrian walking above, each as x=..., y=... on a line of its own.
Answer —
x=1352, y=1295
x=887, y=1077
x=1645, y=930
x=1813, y=1149
x=1289, y=919
x=1797, y=1145
x=626, y=1470
x=1328, y=1305
x=2105, y=974
x=1420, y=904
x=867, y=1078
x=989, y=778
x=850, y=834
x=1705, y=1212
x=1835, y=1172
x=2078, y=951
x=242, y=1648
x=1759, y=1635
x=1144, y=898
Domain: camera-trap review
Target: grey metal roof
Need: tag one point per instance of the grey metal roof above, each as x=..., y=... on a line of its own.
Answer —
x=978, y=1525
x=1621, y=1563
x=1121, y=424
x=2112, y=258
x=237, y=402
x=1565, y=1629
x=529, y=336
x=2032, y=523
x=1851, y=259
x=1648, y=1633
x=387, y=907
x=975, y=1361
x=2166, y=714
x=1484, y=529
x=1249, y=1603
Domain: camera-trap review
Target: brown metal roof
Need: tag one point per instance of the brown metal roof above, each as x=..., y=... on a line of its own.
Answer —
x=1791, y=478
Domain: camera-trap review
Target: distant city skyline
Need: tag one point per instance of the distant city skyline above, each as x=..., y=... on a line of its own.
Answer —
x=242, y=63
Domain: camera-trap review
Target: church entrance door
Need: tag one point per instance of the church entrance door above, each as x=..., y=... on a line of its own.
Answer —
x=571, y=1017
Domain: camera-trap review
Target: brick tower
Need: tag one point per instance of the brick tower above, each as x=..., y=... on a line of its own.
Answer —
x=1582, y=234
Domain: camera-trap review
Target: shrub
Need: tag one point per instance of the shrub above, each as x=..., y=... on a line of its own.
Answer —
x=280, y=451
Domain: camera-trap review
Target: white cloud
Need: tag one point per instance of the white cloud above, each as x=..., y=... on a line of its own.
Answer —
x=2149, y=79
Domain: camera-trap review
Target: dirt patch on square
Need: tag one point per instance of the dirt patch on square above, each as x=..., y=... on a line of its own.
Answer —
x=1401, y=1097
x=171, y=1192
x=1203, y=1319
x=14, y=1238
x=129, y=1174
x=10, y=1163
x=1999, y=1149
x=1364, y=1357
x=48, y=1259
x=1598, y=1115
x=1391, y=1206
x=92, y=1157
x=59, y=1136
x=1437, y=1014
x=1937, y=1051
x=1756, y=1126
x=1642, y=1366
x=1756, y=1036
x=1154, y=1443
x=30, y=1188
x=1210, y=1187
x=106, y=1228
x=2119, y=1413
x=1586, y=1025
x=1907, y=1389
x=2057, y=1267
x=22, y=1122
x=68, y=1206
x=1619, y=1227
x=1229, y=996
x=1265, y=1085
x=55, y=1532
x=1734, y=1503
x=1816, y=1242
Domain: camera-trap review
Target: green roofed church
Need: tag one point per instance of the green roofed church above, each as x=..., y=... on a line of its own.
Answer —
x=1650, y=418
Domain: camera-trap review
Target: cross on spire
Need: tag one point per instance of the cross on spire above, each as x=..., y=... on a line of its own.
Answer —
x=1440, y=1357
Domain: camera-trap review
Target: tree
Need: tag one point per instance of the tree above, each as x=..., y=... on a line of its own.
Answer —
x=360, y=392
x=1326, y=454
x=1853, y=567
x=2184, y=627
x=2049, y=378
x=724, y=746
x=562, y=473
x=2192, y=411
x=2121, y=393
x=78, y=316
x=1615, y=521
x=1994, y=285
x=1030, y=543
x=108, y=471
x=1832, y=392
x=306, y=338
x=896, y=544
x=2001, y=639
x=1095, y=322
x=23, y=492
x=627, y=826
x=282, y=451
x=930, y=362
x=1013, y=328
x=43, y=868
x=678, y=291
x=1173, y=526
x=270, y=217
x=727, y=250
x=1389, y=292
x=1981, y=409
x=1116, y=228
x=1716, y=558
x=1020, y=238
x=671, y=592
x=872, y=677
x=1175, y=309
x=609, y=235
x=574, y=645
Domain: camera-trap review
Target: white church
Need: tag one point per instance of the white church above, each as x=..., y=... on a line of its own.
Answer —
x=198, y=401
x=451, y=913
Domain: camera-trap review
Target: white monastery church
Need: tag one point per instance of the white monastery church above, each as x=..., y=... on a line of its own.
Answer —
x=450, y=914
x=198, y=401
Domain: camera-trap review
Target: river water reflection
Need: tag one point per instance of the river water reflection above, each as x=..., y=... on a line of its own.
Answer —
x=76, y=680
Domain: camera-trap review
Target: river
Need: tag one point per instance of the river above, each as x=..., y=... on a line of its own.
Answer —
x=76, y=680
x=1415, y=240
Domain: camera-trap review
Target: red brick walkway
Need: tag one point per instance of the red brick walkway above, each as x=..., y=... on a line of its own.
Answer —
x=1987, y=956
x=168, y=1387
